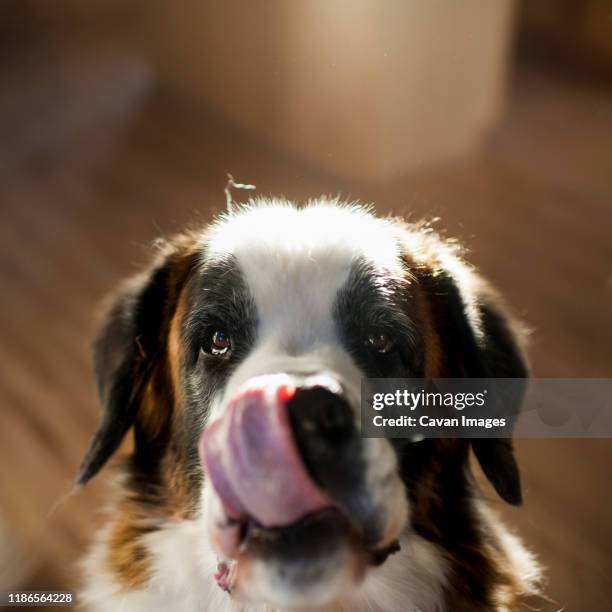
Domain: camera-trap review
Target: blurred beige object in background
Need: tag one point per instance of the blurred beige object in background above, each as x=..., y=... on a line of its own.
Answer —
x=388, y=86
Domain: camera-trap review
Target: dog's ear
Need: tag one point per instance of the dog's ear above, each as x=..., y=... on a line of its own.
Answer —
x=479, y=340
x=129, y=346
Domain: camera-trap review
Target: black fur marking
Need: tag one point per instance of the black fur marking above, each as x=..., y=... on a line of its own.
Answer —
x=372, y=301
x=218, y=298
x=490, y=352
x=126, y=351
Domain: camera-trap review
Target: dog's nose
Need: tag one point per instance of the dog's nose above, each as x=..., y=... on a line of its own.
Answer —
x=322, y=423
x=323, y=427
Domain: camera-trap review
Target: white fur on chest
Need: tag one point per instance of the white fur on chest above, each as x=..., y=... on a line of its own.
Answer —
x=184, y=564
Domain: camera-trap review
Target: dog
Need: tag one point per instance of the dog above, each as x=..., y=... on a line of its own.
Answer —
x=235, y=360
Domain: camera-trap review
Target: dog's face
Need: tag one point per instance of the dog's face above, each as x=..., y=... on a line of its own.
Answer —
x=238, y=360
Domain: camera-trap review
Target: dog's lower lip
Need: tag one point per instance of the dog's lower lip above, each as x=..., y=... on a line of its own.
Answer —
x=254, y=534
x=236, y=535
x=252, y=527
x=379, y=556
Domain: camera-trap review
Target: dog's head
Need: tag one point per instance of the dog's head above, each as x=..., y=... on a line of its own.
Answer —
x=237, y=360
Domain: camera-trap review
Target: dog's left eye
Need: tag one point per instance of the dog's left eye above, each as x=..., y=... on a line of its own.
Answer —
x=380, y=343
x=218, y=344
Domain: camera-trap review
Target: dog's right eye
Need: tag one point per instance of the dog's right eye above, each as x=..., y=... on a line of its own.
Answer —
x=219, y=343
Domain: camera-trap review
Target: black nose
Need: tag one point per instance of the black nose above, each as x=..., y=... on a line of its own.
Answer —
x=329, y=440
x=325, y=432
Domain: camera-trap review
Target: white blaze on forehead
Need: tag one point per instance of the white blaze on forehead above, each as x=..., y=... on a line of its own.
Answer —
x=296, y=259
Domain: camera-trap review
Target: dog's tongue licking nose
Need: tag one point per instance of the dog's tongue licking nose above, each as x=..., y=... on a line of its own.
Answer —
x=252, y=460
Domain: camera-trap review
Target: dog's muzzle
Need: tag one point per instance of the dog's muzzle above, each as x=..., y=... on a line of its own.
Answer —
x=288, y=448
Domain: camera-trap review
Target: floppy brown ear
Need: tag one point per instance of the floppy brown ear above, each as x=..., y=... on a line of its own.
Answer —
x=479, y=340
x=129, y=346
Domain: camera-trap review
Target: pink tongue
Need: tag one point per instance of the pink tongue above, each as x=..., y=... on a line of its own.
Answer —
x=252, y=460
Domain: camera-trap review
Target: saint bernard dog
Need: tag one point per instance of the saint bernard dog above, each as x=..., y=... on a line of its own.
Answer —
x=236, y=362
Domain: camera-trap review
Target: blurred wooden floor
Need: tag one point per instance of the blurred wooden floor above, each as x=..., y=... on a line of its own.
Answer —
x=96, y=161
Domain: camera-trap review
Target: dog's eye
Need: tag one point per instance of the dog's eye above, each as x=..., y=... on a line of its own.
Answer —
x=219, y=344
x=380, y=343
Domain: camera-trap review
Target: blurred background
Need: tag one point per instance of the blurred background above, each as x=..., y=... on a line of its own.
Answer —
x=120, y=119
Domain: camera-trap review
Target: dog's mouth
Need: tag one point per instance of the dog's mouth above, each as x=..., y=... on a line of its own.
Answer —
x=304, y=554
x=273, y=508
x=306, y=537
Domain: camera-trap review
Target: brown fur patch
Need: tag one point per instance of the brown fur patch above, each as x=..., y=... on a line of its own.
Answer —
x=443, y=512
x=127, y=558
x=431, y=340
x=156, y=486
